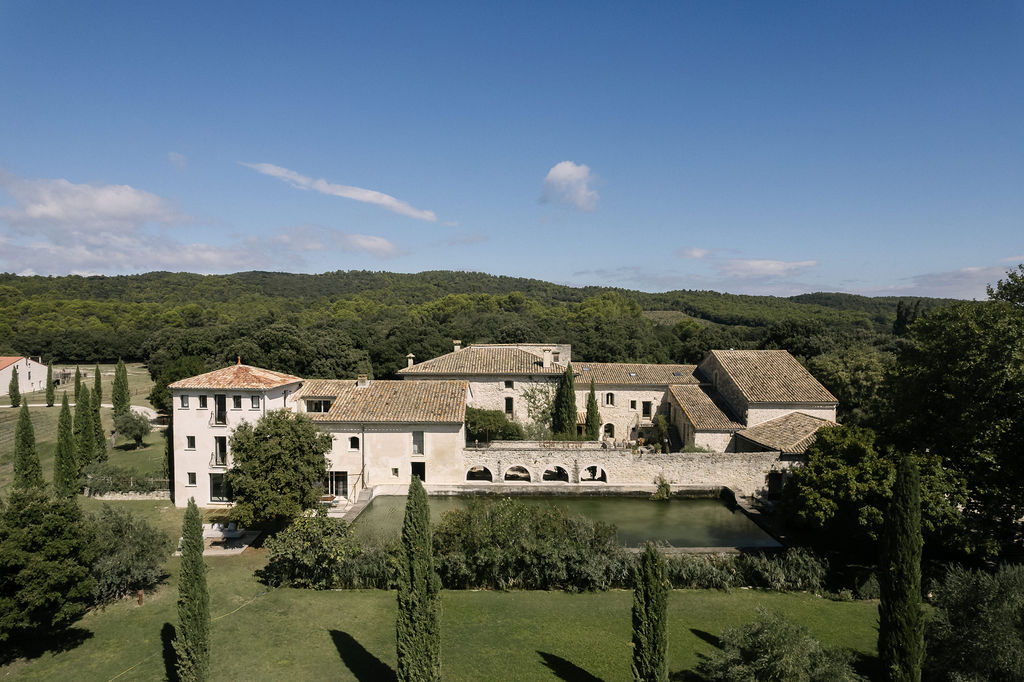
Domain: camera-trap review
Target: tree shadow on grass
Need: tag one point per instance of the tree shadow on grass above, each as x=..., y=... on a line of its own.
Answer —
x=34, y=646
x=167, y=635
x=711, y=639
x=566, y=670
x=360, y=662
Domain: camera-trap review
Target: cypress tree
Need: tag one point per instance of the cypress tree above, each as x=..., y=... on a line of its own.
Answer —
x=27, y=472
x=13, y=391
x=418, y=626
x=85, y=443
x=192, y=642
x=900, y=620
x=563, y=421
x=119, y=394
x=78, y=384
x=593, y=428
x=650, y=601
x=49, y=384
x=99, y=438
x=97, y=385
x=65, y=463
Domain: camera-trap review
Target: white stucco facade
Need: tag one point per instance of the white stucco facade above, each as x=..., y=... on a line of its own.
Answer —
x=31, y=374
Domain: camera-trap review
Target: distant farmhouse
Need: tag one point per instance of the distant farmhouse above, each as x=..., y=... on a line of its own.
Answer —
x=31, y=373
x=740, y=418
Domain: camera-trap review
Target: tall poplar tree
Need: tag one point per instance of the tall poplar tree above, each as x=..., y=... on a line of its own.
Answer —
x=78, y=384
x=900, y=620
x=65, y=462
x=593, y=428
x=563, y=421
x=650, y=602
x=192, y=641
x=85, y=443
x=49, y=384
x=418, y=628
x=99, y=438
x=27, y=472
x=13, y=391
x=97, y=385
x=119, y=394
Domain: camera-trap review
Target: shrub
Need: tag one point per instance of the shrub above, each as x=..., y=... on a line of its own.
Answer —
x=772, y=648
x=488, y=425
x=977, y=630
x=314, y=551
x=103, y=478
x=131, y=553
x=664, y=491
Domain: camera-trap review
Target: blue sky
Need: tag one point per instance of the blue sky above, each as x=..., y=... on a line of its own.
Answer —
x=755, y=147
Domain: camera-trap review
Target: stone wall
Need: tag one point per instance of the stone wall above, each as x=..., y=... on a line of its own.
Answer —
x=746, y=473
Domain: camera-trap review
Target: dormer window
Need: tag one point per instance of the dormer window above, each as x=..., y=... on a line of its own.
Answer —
x=555, y=356
x=318, y=406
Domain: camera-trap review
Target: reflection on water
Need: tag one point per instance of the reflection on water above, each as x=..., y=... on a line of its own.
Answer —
x=679, y=522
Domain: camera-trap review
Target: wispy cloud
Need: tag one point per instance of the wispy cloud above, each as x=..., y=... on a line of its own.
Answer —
x=693, y=252
x=763, y=268
x=315, y=238
x=322, y=186
x=569, y=183
x=966, y=283
x=177, y=160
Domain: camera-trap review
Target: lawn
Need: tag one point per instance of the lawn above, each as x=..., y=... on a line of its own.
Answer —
x=261, y=633
x=139, y=384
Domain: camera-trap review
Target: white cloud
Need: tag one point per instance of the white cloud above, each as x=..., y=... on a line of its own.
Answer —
x=320, y=185
x=569, y=183
x=693, y=252
x=177, y=160
x=762, y=268
x=966, y=283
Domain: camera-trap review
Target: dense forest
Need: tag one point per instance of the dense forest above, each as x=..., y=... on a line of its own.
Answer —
x=336, y=324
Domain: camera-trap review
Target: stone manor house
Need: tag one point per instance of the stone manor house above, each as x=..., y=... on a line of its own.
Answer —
x=740, y=418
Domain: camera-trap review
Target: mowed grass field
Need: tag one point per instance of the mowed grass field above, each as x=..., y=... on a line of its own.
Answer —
x=261, y=633
x=148, y=460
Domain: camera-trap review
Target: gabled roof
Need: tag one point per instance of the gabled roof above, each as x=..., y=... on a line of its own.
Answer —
x=791, y=433
x=704, y=412
x=418, y=402
x=771, y=376
x=632, y=373
x=8, y=360
x=242, y=377
x=485, y=360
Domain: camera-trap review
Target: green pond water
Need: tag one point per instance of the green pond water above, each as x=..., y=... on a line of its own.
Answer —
x=678, y=522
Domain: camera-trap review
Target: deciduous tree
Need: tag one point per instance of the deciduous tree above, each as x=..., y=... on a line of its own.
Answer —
x=133, y=425
x=650, y=603
x=418, y=628
x=192, y=641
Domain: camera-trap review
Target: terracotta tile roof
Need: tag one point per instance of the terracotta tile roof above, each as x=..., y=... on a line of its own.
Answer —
x=8, y=360
x=418, y=402
x=771, y=376
x=792, y=433
x=485, y=360
x=632, y=373
x=320, y=388
x=242, y=377
x=705, y=413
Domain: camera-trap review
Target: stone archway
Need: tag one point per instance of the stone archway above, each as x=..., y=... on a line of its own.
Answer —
x=609, y=431
x=593, y=474
x=556, y=473
x=518, y=473
x=479, y=473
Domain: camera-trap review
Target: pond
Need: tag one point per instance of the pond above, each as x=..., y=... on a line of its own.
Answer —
x=678, y=522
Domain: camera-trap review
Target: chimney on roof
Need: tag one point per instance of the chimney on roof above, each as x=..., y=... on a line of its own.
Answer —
x=547, y=358
x=458, y=344
x=410, y=359
x=239, y=359
x=362, y=381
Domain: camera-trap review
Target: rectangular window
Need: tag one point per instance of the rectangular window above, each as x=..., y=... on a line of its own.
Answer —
x=555, y=356
x=236, y=402
x=219, y=489
x=417, y=442
x=220, y=451
x=647, y=409
x=220, y=409
x=394, y=471
x=509, y=407
x=510, y=384
x=609, y=399
x=184, y=402
x=191, y=478
x=190, y=442
x=632, y=404
x=337, y=483
x=255, y=402
x=318, y=406
x=202, y=402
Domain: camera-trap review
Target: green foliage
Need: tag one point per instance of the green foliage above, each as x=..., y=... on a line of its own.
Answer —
x=504, y=544
x=488, y=425
x=539, y=399
x=592, y=430
x=45, y=553
x=977, y=629
x=102, y=478
x=278, y=468
x=664, y=491
x=97, y=385
x=650, y=605
x=66, y=471
x=119, y=392
x=563, y=419
x=85, y=444
x=130, y=554
x=50, y=396
x=772, y=649
x=12, y=389
x=168, y=373
x=1011, y=289
x=132, y=425
x=790, y=571
x=418, y=627
x=99, y=439
x=661, y=428
x=192, y=640
x=27, y=471
x=78, y=385
x=314, y=551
